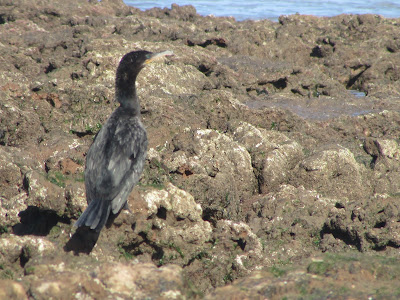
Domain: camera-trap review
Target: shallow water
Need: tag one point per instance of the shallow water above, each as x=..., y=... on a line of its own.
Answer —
x=314, y=108
x=321, y=108
x=253, y=9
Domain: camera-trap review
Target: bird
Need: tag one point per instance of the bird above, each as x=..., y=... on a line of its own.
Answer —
x=115, y=160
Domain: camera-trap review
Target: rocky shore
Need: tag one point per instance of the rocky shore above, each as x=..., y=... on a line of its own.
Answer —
x=273, y=169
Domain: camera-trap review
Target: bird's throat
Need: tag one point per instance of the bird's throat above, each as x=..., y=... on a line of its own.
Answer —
x=126, y=95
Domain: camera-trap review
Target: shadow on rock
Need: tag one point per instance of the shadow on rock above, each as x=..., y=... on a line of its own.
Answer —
x=34, y=221
x=82, y=241
x=84, y=238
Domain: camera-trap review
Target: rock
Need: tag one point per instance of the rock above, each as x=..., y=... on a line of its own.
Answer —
x=44, y=194
x=214, y=168
x=258, y=160
x=75, y=199
x=17, y=251
x=364, y=225
x=169, y=224
x=386, y=163
x=117, y=280
x=12, y=290
x=234, y=251
x=62, y=285
x=340, y=275
x=10, y=175
x=288, y=221
x=332, y=171
x=251, y=254
x=388, y=148
x=143, y=280
x=10, y=210
x=274, y=155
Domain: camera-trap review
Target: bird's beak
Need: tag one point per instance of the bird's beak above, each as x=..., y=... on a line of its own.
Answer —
x=157, y=56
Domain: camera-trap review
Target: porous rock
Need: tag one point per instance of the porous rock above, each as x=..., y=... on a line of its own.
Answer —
x=332, y=171
x=168, y=219
x=311, y=196
x=214, y=168
x=274, y=155
x=44, y=194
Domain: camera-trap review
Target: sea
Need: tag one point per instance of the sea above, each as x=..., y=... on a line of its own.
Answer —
x=256, y=10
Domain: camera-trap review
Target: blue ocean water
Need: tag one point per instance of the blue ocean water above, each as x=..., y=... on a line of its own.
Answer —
x=256, y=9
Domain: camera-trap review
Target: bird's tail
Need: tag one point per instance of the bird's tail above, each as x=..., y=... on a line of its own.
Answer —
x=95, y=216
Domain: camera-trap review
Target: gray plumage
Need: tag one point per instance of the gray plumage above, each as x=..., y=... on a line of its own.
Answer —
x=116, y=158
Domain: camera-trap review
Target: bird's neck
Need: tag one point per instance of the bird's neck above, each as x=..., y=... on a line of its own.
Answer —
x=125, y=93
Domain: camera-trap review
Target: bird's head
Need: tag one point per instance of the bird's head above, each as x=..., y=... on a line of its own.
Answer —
x=134, y=61
x=128, y=69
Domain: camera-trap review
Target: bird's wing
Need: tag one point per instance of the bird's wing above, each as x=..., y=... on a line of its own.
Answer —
x=115, y=162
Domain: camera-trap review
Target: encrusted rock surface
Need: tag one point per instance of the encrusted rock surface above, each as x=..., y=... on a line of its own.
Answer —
x=267, y=176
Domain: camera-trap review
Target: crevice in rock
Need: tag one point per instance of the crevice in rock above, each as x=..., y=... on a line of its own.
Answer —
x=211, y=215
x=144, y=245
x=373, y=162
x=339, y=205
x=199, y=256
x=317, y=52
x=158, y=252
x=51, y=67
x=380, y=224
x=241, y=243
x=162, y=213
x=25, y=256
x=82, y=133
x=353, y=79
x=204, y=69
x=220, y=42
x=350, y=238
x=279, y=84
x=390, y=244
x=183, y=170
x=133, y=248
x=82, y=241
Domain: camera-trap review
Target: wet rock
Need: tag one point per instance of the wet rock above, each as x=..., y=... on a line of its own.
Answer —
x=186, y=12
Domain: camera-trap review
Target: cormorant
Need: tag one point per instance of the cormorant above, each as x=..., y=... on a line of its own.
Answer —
x=116, y=158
